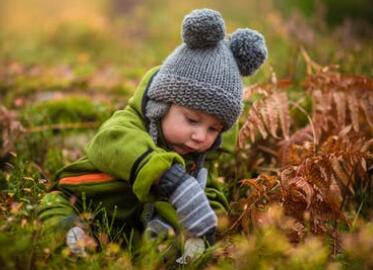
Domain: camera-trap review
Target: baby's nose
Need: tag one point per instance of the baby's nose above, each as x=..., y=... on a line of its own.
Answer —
x=199, y=134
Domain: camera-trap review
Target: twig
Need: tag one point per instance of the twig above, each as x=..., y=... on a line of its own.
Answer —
x=310, y=63
x=268, y=169
x=267, y=150
x=245, y=211
x=310, y=121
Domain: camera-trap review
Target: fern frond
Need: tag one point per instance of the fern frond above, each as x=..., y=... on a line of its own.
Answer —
x=340, y=100
x=284, y=114
x=353, y=106
x=321, y=165
x=341, y=107
x=268, y=115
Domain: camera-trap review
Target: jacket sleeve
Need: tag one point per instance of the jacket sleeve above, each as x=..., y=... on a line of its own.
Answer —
x=123, y=148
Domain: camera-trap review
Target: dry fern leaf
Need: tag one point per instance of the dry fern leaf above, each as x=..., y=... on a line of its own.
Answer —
x=340, y=100
x=263, y=187
x=249, y=91
x=316, y=174
x=284, y=114
x=353, y=105
x=341, y=107
x=263, y=190
x=341, y=174
x=348, y=154
x=258, y=120
x=322, y=110
x=267, y=115
x=294, y=150
x=331, y=174
x=366, y=104
x=299, y=190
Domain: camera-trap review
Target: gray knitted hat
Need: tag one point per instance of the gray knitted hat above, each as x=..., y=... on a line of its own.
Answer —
x=204, y=73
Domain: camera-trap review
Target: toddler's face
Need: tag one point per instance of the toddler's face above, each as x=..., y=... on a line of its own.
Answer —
x=186, y=130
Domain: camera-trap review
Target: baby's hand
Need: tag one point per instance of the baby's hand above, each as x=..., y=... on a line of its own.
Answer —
x=186, y=195
x=202, y=176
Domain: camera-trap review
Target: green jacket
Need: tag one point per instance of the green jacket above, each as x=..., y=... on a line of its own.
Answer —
x=123, y=149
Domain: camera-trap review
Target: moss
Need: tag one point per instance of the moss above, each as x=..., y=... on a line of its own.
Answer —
x=68, y=110
x=53, y=160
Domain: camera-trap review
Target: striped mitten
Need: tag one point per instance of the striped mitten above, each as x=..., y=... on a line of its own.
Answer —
x=202, y=177
x=189, y=200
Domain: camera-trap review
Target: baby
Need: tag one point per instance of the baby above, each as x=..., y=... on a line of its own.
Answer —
x=144, y=167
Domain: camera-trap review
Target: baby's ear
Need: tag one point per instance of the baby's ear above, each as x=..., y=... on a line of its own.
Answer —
x=249, y=50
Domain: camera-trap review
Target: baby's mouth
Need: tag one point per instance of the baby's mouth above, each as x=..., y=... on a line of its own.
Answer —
x=183, y=149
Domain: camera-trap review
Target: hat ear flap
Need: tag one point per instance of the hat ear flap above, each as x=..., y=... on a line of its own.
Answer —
x=249, y=50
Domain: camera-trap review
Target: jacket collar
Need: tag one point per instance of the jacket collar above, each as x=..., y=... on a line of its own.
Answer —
x=139, y=98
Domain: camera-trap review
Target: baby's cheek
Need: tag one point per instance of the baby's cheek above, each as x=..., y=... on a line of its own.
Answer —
x=212, y=140
x=177, y=136
x=209, y=143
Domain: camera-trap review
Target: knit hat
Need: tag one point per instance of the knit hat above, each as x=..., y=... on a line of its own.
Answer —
x=204, y=73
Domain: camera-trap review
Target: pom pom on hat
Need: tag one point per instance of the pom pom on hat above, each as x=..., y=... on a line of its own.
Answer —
x=249, y=49
x=203, y=28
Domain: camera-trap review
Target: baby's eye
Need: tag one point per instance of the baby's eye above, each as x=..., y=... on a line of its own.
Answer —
x=191, y=120
x=214, y=129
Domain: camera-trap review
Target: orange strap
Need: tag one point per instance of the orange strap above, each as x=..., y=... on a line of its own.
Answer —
x=92, y=178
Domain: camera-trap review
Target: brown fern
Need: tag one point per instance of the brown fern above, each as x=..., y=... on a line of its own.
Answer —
x=263, y=189
x=320, y=165
x=340, y=100
x=318, y=187
x=269, y=115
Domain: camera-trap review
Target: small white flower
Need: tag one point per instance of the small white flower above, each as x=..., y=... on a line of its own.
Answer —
x=193, y=248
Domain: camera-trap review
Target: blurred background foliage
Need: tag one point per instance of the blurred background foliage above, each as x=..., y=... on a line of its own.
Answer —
x=135, y=35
